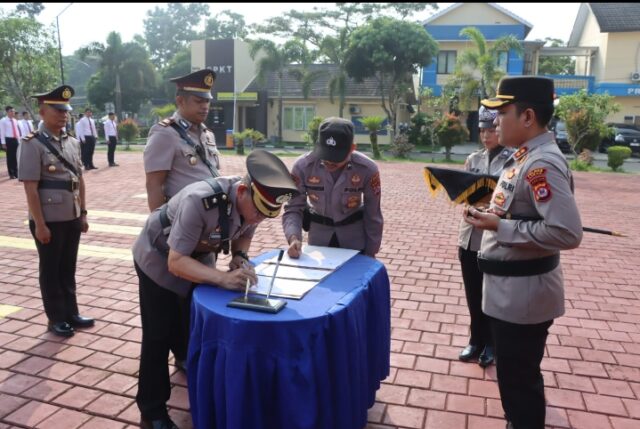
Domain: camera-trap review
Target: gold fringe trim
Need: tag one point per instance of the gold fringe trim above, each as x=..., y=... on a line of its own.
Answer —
x=435, y=187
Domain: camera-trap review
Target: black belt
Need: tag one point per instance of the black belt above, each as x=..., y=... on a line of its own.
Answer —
x=67, y=185
x=316, y=218
x=164, y=219
x=524, y=268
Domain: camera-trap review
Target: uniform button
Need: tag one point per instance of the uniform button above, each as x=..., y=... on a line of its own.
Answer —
x=49, y=200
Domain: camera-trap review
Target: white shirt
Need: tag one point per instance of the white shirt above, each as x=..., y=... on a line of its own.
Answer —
x=26, y=126
x=110, y=129
x=6, y=129
x=86, y=128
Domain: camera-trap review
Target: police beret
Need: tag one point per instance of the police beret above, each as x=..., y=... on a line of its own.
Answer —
x=486, y=117
x=528, y=89
x=271, y=182
x=335, y=137
x=198, y=83
x=58, y=98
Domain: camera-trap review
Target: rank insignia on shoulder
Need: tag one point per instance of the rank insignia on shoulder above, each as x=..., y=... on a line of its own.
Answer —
x=520, y=153
x=30, y=135
x=166, y=122
x=210, y=202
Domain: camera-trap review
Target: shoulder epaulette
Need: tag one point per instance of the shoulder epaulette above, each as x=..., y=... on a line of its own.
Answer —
x=166, y=122
x=30, y=135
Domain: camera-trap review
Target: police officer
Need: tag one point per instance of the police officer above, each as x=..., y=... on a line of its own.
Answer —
x=51, y=170
x=181, y=150
x=174, y=250
x=489, y=160
x=339, y=201
x=532, y=216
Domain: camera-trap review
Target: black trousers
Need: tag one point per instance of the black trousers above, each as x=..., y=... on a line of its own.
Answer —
x=163, y=314
x=12, y=156
x=58, y=269
x=519, y=351
x=111, y=149
x=88, y=147
x=472, y=278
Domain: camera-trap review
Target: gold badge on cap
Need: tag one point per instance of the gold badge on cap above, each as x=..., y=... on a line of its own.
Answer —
x=52, y=169
x=193, y=160
x=208, y=79
x=66, y=93
x=283, y=198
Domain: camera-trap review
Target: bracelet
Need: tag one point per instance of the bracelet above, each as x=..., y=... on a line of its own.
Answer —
x=241, y=253
x=83, y=212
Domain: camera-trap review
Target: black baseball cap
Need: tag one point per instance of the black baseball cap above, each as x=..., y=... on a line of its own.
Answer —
x=529, y=89
x=335, y=137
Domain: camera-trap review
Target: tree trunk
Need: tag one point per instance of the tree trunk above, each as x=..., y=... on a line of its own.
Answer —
x=447, y=153
x=373, y=136
x=118, y=97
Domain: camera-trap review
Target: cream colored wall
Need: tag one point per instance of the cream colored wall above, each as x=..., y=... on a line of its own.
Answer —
x=591, y=36
x=325, y=109
x=630, y=106
x=478, y=13
x=622, y=57
x=244, y=67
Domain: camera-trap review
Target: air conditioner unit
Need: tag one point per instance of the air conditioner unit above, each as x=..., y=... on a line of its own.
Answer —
x=353, y=109
x=635, y=76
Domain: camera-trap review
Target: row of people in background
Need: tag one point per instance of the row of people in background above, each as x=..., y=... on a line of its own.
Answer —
x=87, y=133
x=11, y=130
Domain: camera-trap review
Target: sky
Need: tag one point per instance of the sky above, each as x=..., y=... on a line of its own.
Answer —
x=82, y=23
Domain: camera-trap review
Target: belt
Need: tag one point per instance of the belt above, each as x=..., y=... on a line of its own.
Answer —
x=164, y=218
x=524, y=268
x=67, y=185
x=322, y=220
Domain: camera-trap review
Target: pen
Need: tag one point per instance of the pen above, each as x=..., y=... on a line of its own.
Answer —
x=274, y=272
x=246, y=288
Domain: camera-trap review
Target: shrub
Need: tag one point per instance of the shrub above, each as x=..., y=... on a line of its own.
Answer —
x=449, y=131
x=401, y=147
x=616, y=156
x=249, y=133
x=128, y=131
x=311, y=136
x=373, y=124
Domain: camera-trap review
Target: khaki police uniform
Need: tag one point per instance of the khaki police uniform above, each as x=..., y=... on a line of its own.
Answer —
x=347, y=207
x=61, y=210
x=167, y=151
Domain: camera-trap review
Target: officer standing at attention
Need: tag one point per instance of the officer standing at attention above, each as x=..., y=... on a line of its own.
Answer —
x=50, y=169
x=111, y=135
x=532, y=216
x=87, y=134
x=174, y=251
x=9, y=136
x=489, y=160
x=342, y=187
x=181, y=150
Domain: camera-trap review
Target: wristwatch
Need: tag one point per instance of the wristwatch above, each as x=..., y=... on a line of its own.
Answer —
x=83, y=212
x=241, y=253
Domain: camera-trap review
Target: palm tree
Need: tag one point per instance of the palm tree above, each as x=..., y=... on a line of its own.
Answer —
x=477, y=72
x=335, y=48
x=373, y=124
x=276, y=60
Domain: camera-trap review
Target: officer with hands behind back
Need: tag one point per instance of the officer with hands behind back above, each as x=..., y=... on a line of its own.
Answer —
x=339, y=201
x=532, y=216
x=51, y=170
x=177, y=248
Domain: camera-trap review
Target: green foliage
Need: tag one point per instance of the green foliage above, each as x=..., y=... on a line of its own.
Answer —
x=616, y=156
x=239, y=138
x=30, y=10
x=450, y=132
x=128, y=131
x=392, y=51
x=179, y=65
x=164, y=111
x=556, y=65
x=28, y=60
x=477, y=72
x=585, y=116
x=401, y=147
x=373, y=124
x=311, y=136
x=226, y=25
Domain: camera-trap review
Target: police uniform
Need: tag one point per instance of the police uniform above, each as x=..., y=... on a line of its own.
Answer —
x=344, y=206
x=167, y=149
x=199, y=220
x=491, y=162
x=523, y=283
x=51, y=160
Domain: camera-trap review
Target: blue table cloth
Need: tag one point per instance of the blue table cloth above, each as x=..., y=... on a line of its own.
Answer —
x=316, y=364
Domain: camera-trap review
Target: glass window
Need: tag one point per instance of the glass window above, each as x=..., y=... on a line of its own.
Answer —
x=503, y=60
x=298, y=117
x=446, y=62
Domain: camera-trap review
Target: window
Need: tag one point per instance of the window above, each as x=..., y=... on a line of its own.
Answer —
x=298, y=117
x=446, y=62
x=503, y=60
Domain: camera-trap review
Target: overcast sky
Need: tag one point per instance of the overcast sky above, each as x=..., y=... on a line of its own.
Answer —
x=83, y=23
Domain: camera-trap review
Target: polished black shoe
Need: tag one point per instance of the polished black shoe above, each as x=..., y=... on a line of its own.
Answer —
x=114, y=165
x=486, y=357
x=164, y=423
x=61, y=329
x=469, y=353
x=81, y=322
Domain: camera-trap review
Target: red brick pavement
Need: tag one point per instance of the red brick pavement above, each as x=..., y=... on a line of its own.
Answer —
x=591, y=365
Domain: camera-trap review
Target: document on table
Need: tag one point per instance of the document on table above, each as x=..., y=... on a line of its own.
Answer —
x=284, y=288
x=292, y=273
x=319, y=257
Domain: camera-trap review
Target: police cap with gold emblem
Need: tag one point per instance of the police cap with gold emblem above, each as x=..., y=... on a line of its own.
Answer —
x=271, y=182
x=335, y=137
x=58, y=98
x=198, y=83
x=527, y=89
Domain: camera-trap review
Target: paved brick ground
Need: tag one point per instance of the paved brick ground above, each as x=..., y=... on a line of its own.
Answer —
x=591, y=365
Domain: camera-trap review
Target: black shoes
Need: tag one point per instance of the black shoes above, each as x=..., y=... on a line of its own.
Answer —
x=61, y=329
x=486, y=357
x=164, y=423
x=81, y=322
x=469, y=353
x=114, y=165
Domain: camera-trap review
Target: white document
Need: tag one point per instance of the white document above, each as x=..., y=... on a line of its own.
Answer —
x=284, y=288
x=327, y=258
x=292, y=273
